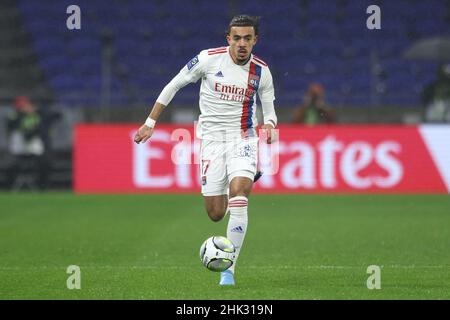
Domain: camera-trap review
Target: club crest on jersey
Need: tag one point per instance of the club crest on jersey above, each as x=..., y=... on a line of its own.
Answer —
x=192, y=63
x=254, y=80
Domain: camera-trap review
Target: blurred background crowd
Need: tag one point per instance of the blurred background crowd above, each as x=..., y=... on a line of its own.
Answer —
x=328, y=67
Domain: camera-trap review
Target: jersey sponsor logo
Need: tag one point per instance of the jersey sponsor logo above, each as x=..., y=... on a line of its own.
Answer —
x=229, y=89
x=193, y=62
x=233, y=93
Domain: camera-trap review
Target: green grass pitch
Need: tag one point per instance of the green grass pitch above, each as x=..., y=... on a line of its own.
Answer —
x=297, y=247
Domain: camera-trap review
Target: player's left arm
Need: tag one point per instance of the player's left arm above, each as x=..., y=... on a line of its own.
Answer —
x=267, y=96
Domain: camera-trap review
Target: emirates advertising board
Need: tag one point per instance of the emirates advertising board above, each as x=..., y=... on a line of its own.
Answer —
x=322, y=159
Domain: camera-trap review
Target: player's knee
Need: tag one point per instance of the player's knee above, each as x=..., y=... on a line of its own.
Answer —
x=242, y=186
x=216, y=218
x=239, y=192
x=216, y=207
x=216, y=214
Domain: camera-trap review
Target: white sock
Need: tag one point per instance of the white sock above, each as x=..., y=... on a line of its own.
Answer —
x=237, y=224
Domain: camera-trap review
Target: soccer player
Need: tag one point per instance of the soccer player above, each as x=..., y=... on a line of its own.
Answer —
x=232, y=78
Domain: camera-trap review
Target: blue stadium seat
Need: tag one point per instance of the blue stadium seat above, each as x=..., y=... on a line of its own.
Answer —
x=303, y=41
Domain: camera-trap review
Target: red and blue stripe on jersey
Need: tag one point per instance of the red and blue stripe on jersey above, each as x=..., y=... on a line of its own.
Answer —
x=254, y=77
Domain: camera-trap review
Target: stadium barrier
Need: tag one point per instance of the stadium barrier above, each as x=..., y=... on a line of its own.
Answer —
x=343, y=159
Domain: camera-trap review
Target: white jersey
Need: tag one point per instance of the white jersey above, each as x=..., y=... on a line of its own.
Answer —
x=228, y=93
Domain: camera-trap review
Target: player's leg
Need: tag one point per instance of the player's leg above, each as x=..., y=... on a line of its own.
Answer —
x=240, y=188
x=216, y=206
x=214, y=179
x=241, y=164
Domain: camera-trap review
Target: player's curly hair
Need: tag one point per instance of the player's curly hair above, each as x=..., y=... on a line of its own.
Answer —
x=244, y=20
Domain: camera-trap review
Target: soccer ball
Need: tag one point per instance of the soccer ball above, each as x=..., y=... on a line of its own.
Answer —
x=217, y=253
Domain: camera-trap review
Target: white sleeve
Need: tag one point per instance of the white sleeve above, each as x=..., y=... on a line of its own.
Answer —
x=267, y=96
x=191, y=72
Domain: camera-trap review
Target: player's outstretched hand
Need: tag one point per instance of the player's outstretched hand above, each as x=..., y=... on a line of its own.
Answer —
x=143, y=134
x=268, y=133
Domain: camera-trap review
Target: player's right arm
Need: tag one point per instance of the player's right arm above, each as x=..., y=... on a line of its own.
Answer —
x=190, y=73
x=146, y=130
